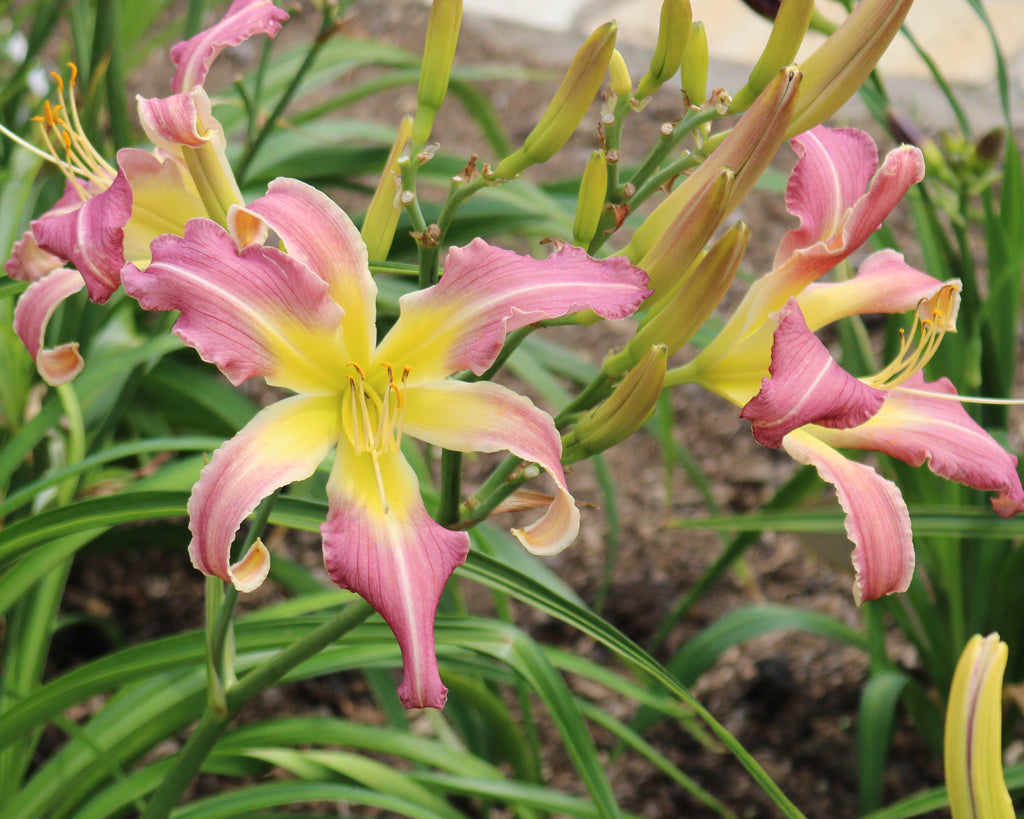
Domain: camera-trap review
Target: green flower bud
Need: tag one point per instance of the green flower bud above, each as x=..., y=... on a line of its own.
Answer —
x=673, y=320
x=673, y=32
x=694, y=66
x=571, y=101
x=626, y=410
x=622, y=85
x=436, y=68
x=382, y=215
x=791, y=22
x=747, y=151
x=590, y=205
x=840, y=65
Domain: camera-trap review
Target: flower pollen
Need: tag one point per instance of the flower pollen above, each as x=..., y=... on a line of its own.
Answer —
x=936, y=316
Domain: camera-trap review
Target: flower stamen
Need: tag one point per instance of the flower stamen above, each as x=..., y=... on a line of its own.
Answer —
x=936, y=316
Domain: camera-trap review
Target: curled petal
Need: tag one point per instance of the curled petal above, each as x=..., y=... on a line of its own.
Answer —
x=35, y=308
x=244, y=18
x=398, y=559
x=806, y=386
x=254, y=311
x=918, y=428
x=877, y=521
x=884, y=283
x=318, y=233
x=826, y=191
x=29, y=262
x=284, y=443
x=90, y=235
x=486, y=417
x=487, y=292
x=180, y=120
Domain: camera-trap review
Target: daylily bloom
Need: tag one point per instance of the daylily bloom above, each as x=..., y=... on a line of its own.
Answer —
x=109, y=214
x=305, y=321
x=768, y=361
x=972, y=754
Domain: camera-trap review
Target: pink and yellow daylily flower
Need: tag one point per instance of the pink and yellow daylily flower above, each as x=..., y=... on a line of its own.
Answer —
x=768, y=361
x=305, y=321
x=110, y=213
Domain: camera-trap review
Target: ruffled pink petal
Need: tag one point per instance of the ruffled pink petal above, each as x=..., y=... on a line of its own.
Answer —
x=254, y=311
x=826, y=191
x=486, y=417
x=398, y=559
x=244, y=18
x=29, y=262
x=877, y=521
x=90, y=236
x=284, y=443
x=314, y=230
x=806, y=386
x=31, y=317
x=487, y=292
x=936, y=430
x=885, y=283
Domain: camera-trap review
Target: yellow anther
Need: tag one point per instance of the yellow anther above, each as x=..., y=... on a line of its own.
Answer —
x=57, y=78
x=935, y=317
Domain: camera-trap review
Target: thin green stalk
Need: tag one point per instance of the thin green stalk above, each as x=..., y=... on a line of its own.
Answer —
x=76, y=439
x=107, y=43
x=451, y=487
x=213, y=723
x=331, y=10
x=194, y=17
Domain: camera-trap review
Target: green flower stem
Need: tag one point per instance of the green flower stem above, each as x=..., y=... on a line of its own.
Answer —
x=214, y=723
x=330, y=13
x=451, y=487
x=76, y=439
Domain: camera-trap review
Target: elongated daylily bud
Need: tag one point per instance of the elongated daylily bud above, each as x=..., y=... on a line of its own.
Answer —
x=622, y=85
x=622, y=413
x=382, y=215
x=746, y=151
x=973, y=741
x=672, y=321
x=838, y=67
x=694, y=65
x=590, y=205
x=793, y=18
x=571, y=101
x=673, y=32
x=438, y=55
x=674, y=251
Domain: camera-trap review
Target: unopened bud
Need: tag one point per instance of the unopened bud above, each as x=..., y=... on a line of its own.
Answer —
x=747, y=151
x=766, y=8
x=673, y=32
x=381, y=218
x=622, y=85
x=565, y=112
x=788, y=32
x=674, y=319
x=626, y=410
x=438, y=56
x=694, y=66
x=590, y=204
x=840, y=65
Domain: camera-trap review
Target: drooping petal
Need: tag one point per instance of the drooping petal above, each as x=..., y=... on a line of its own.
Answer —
x=244, y=18
x=884, y=283
x=28, y=262
x=90, y=236
x=284, y=443
x=486, y=292
x=398, y=559
x=877, y=521
x=806, y=386
x=318, y=233
x=826, y=191
x=31, y=316
x=936, y=430
x=254, y=311
x=487, y=417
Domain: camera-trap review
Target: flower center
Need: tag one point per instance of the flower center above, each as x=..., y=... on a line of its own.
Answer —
x=936, y=316
x=372, y=418
x=67, y=146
